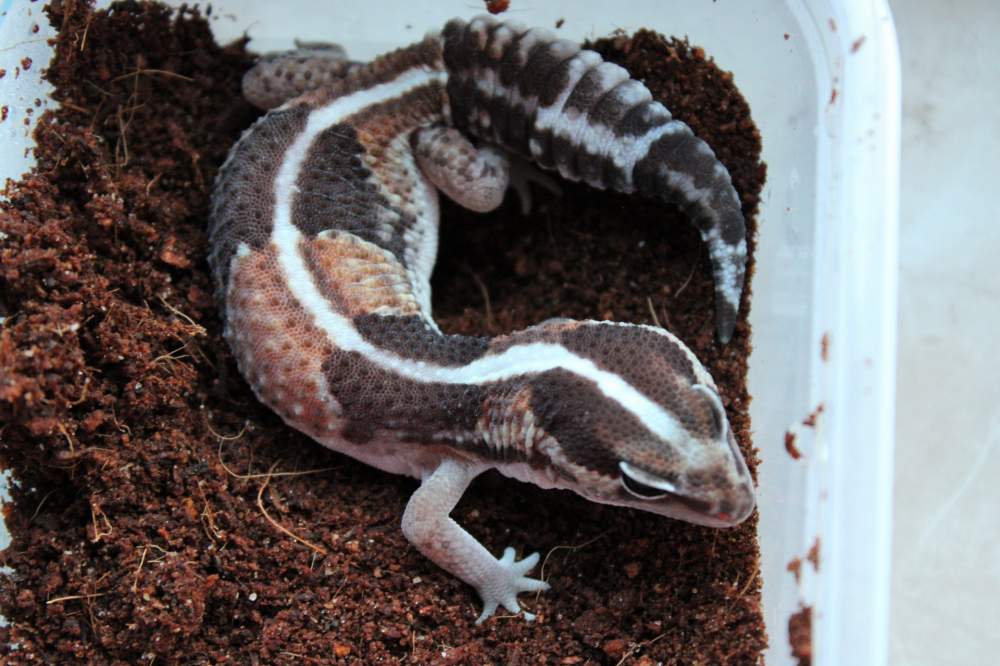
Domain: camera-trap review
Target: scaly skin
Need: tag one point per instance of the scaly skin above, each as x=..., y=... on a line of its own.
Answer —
x=324, y=235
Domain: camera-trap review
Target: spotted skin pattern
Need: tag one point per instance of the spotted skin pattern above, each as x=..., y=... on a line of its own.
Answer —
x=323, y=237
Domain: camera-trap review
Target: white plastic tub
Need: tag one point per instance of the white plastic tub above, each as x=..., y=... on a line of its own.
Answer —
x=822, y=80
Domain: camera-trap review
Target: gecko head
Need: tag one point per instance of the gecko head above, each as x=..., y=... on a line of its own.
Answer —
x=699, y=476
x=634, y=419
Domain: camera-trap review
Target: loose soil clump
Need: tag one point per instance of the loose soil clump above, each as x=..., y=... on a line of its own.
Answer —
x=160, y=513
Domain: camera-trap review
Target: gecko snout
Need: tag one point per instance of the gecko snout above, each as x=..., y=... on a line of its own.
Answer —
x=700, y=476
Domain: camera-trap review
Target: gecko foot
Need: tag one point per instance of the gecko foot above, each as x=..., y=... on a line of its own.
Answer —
x=506, y=581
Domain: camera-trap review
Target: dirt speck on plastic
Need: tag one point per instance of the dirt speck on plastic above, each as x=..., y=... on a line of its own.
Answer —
x=790, y=446
x=794, y=567
x=813, y=416
x=813, y=555
x=160, y=513
x=800, y=635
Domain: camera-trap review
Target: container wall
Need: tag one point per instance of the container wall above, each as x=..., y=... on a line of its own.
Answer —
x=827, y=108
x=24, y=54
x=776, y=55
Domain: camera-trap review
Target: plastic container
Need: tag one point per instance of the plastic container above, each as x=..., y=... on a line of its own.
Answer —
x=822, y=80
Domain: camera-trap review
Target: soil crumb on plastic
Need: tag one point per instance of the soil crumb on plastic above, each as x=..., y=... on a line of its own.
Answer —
x=794, y=567
x=497, y=6
x=154, y=498
x=790, y=446
x=813, y=555
x=810, y=421
x=800, y=635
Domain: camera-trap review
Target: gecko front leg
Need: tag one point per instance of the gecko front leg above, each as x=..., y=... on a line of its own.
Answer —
x=427, y=525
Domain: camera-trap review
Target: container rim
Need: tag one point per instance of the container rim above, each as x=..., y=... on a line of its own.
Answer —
x=857, y=275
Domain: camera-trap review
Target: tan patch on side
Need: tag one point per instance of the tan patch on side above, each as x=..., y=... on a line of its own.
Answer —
x=379, y=124
x=359, y=277
x=384, y=130
x=279, y=350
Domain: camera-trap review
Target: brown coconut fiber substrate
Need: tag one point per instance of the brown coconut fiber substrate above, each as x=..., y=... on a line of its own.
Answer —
x=160, y=514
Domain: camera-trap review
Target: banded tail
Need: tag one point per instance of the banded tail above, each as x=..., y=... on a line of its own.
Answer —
x=568, y=110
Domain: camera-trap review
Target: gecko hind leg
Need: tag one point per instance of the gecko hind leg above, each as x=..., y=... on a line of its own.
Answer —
x=434, y=533
x=476, y=178
x=279, y=77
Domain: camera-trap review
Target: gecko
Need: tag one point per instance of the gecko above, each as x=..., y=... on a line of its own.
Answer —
x=323, y=235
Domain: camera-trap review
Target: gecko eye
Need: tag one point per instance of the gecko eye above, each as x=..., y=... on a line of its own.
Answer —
x=640, y=483
x=641, y=491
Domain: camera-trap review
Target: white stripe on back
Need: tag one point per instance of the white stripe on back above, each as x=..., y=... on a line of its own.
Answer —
x=518, y=360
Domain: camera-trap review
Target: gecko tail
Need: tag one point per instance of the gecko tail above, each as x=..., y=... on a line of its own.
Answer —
x=568, y=110
x=681, y=169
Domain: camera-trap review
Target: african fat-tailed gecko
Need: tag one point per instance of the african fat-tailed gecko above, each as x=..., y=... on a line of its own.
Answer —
x=323, y=238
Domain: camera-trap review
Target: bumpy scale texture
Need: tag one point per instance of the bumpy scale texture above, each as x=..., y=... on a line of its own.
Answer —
x=324, y=236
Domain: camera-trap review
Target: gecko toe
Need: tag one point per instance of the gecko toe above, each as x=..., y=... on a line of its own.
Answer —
x=488, y=609
x=534, y=585
x=527, y=564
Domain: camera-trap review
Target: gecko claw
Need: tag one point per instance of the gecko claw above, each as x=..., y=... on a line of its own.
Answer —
x=522, y=175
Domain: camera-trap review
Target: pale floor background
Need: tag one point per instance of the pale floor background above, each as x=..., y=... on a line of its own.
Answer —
x=946, y=550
